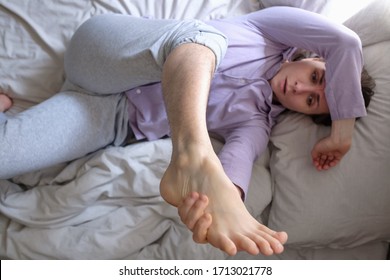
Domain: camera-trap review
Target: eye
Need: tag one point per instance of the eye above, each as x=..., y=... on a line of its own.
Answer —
x=310, y=100
x=314, y=77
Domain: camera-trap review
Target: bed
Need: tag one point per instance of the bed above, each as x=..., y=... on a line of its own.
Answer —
x=107, y=205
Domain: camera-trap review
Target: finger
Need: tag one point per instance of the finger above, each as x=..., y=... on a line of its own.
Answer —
x=332, y=161
x=196, y=211
x=317, y=165
x=201, y=228
x=186, y=206
x=187, y=203
x=323, y=159
x=325, y=166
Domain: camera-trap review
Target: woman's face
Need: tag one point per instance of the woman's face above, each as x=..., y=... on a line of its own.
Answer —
x=300, y=86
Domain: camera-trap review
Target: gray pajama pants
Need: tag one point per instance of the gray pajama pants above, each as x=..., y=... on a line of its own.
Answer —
x=107, y=55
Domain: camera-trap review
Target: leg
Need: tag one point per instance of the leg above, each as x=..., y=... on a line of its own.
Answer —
x=65, y=127
x=196, y=168
x=113, y=53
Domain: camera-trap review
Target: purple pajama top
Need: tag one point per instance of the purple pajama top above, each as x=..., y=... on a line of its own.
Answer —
x=240, y=107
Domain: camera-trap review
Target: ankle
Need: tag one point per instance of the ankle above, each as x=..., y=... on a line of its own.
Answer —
x=194, y=156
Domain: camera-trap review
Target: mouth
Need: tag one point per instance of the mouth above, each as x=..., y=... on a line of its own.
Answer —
x=285, y=86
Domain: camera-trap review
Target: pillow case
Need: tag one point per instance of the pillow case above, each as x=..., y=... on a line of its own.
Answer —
x=372, y=23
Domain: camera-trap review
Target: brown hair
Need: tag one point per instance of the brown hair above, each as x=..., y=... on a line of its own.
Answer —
x=367, y=82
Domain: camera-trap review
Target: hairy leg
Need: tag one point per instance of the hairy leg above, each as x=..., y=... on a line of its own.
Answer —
x=195, y=167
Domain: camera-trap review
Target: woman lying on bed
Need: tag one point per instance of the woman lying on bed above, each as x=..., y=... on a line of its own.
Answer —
x=128, y=76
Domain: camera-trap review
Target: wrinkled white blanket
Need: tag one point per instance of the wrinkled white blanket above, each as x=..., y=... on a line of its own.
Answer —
x=103, y=206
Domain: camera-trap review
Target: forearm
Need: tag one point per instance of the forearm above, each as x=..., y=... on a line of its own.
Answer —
x=186, y=79
x=342, y=131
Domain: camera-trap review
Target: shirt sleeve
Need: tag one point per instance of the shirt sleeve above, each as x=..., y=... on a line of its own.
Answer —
x=339, y=46
x=241, y=149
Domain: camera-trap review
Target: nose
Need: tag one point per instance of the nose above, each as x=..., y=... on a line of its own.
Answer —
x=300, y=88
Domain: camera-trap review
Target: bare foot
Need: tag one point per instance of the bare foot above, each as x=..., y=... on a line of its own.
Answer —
x=233, y=228
x=5, y=102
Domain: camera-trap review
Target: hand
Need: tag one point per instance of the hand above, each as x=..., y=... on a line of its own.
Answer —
x=328, y=153
x=192, y=214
